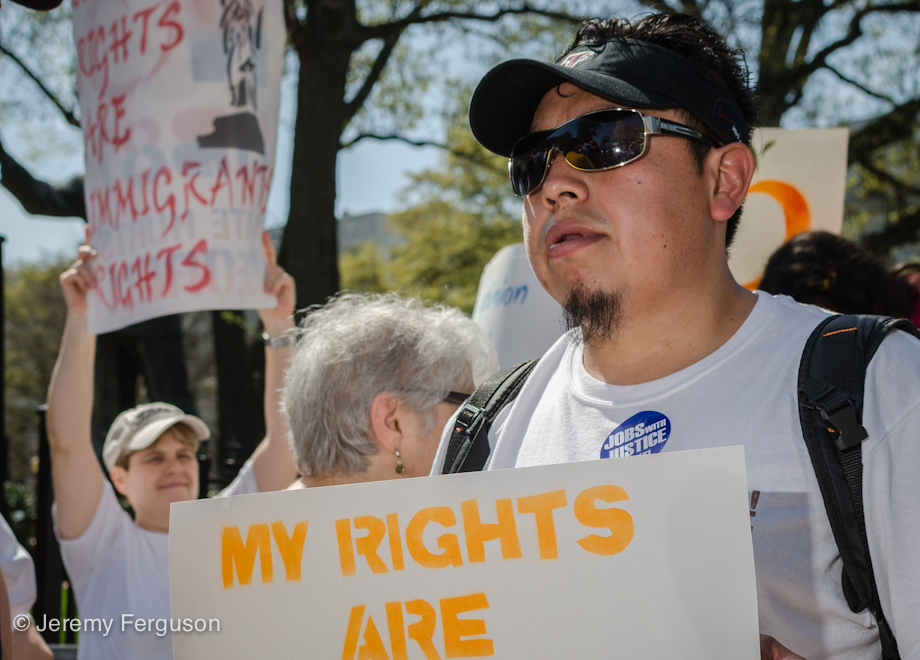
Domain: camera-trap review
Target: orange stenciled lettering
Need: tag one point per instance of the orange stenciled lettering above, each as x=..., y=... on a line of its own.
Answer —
x=290, y=548
x=455, y=629
x=448, y=543
x=367, y=545
x=542, y=507
x=395, y=543
x=346, y=551
x=354, y=626
x=477, y=532
x=422, y=631
x=397, y=629
x=233, y=552
x=618, y=521
x=372, y=648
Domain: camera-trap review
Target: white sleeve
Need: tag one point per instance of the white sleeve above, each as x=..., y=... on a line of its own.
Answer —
x=891, y=484
x=18, y=571
x=244, y=483
x=82, y=554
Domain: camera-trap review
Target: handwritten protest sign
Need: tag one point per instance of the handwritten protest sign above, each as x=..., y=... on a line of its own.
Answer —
x=179, y=103
x=514, y=310
x=799, y=185
x=642, y=557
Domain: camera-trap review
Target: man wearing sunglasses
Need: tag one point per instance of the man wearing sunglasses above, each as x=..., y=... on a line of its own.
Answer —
x=631, y=156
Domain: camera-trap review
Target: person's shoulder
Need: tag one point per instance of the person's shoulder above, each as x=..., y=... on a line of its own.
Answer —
x=786, y=309
x=892, y=392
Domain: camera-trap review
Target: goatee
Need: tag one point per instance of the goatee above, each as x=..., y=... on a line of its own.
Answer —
x=597, y=313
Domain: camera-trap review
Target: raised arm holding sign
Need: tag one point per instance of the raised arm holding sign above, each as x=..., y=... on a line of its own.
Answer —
x=118, y=565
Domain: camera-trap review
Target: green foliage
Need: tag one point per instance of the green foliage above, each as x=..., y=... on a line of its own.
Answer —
x=363, y=269
x=20, y=507
x=456, y=217
x=35, y=314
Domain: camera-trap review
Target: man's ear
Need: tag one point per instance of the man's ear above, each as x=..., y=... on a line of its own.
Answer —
x=735, y=164
x=386, y=420
x=119, y=477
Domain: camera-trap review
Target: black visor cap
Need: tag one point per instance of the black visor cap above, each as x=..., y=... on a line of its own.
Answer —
x=634, y=73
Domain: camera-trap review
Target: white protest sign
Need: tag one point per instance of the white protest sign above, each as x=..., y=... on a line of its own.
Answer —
x=179, y=102
x=514, y=310
x=640, y=557
x=798, y=186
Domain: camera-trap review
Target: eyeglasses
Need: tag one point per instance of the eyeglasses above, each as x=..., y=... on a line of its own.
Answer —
x=599, y=140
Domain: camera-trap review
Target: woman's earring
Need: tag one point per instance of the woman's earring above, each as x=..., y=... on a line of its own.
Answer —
x=400, y=468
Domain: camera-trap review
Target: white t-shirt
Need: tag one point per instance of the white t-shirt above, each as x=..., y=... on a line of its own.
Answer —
x=745, y=393
x=18, y=571
x=117, y=568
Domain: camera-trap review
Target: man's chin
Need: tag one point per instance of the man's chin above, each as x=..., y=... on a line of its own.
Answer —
x=598, y=313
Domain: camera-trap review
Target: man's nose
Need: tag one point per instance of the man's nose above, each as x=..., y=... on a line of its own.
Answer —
x=562, y=182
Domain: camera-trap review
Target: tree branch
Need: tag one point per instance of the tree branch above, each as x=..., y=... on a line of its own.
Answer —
x=859, y=85
x=383, y=30
x=68, y=115
x=897, y=125
x=400, y=138
x=471, y=157
x=291, y=23
x=352, y=107
x=39, y=197
x=853, y=33
x=890, y=179
x=903, y=230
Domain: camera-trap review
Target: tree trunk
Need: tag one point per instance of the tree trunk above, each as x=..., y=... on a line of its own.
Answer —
x=309, y=249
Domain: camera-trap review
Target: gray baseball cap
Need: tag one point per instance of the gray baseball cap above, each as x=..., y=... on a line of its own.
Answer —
x=141, y=426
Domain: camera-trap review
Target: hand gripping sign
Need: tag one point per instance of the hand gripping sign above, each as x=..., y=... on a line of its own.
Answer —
x=650, y=557
x=179, y=101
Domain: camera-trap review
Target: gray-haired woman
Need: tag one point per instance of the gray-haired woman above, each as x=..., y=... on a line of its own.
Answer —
x=372, y=382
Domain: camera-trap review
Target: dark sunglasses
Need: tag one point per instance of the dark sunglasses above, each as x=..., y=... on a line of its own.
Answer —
x=599, y=140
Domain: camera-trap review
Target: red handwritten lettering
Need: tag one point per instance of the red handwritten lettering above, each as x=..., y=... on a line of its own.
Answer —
x=124, y=199
x=166, y=22
x=140, y=195
x=168, y=253
x=143, y=277
x=200, y=246
x=170, y=201
x=121, y=35
x=93, y=49
x=144, y=15
x=189, y=186
x=223, y=175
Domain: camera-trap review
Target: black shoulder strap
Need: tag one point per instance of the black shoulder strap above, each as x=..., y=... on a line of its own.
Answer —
x=469, y=449
x=832, y=377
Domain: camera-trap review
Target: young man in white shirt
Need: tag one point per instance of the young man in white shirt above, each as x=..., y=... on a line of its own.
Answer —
x=631, y=155
x=119, y=567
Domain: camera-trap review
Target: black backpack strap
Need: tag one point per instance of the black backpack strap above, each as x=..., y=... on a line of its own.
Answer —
x=832, y=377
x=469, y=449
